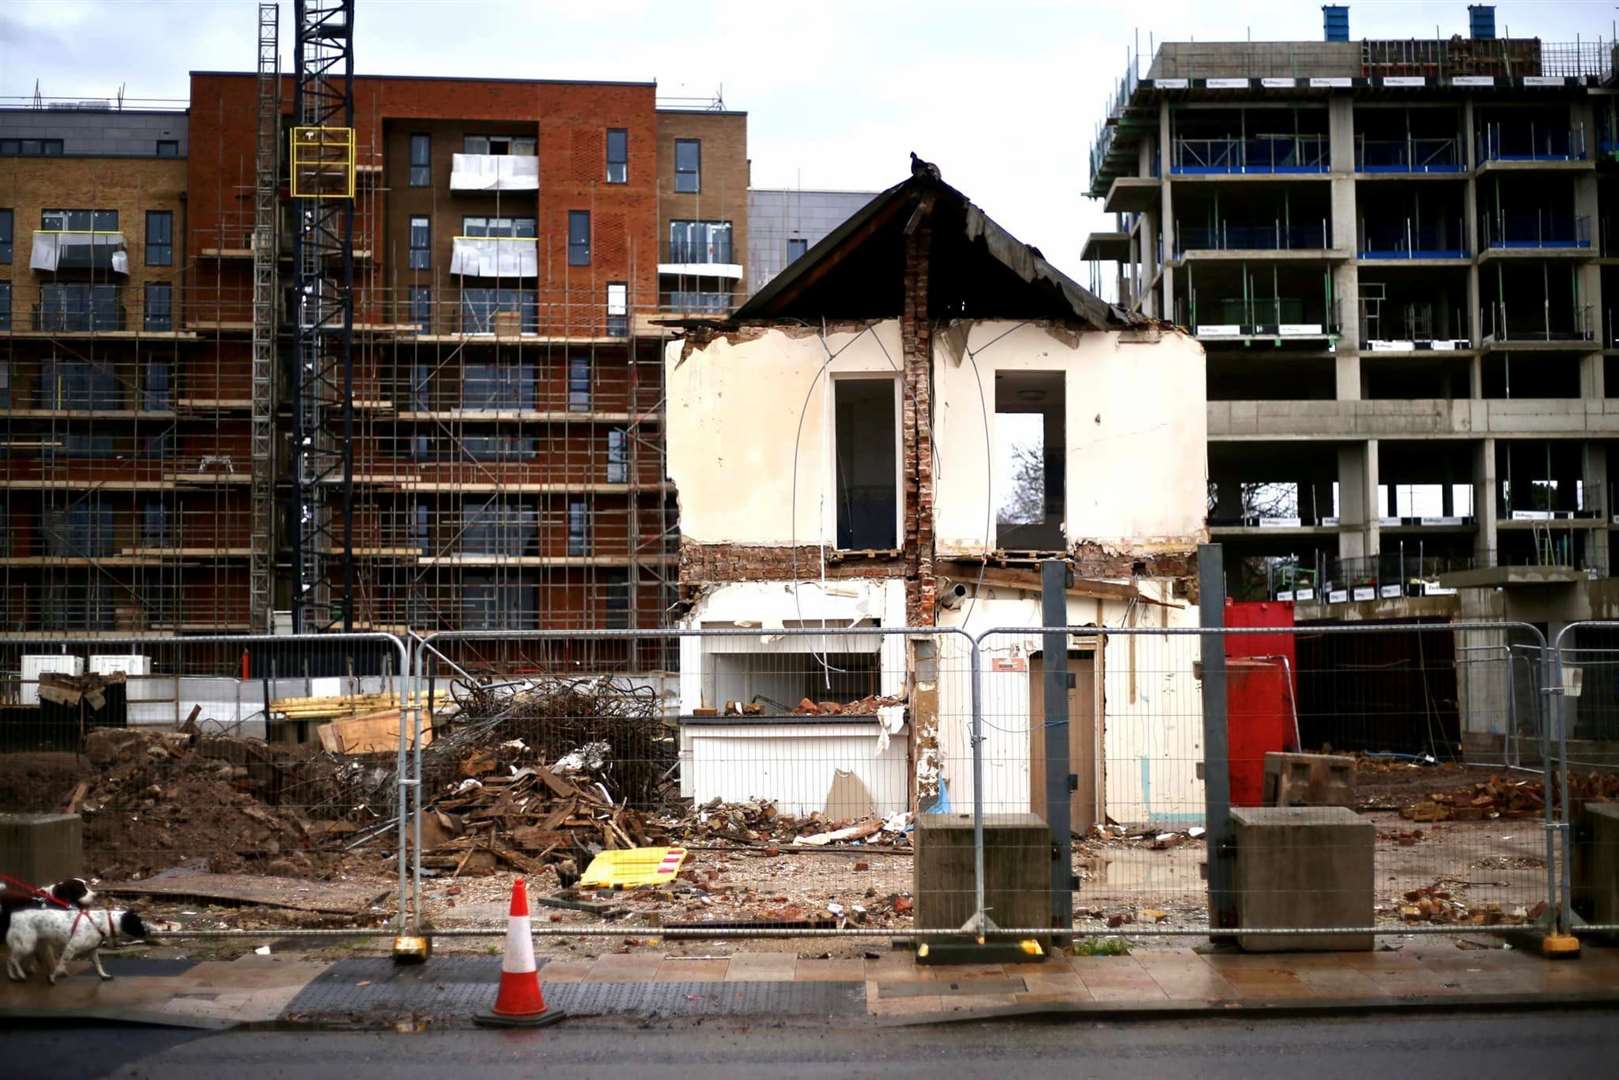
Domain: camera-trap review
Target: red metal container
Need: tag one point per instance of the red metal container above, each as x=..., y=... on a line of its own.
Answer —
x=1261, y=694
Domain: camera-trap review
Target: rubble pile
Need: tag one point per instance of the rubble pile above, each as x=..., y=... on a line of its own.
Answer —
x=1500, y=797
x=152, y=799
x=1437, y=904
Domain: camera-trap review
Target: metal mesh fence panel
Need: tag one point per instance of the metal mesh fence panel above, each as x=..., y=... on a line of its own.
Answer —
x=1585, y=747
x=214, y=782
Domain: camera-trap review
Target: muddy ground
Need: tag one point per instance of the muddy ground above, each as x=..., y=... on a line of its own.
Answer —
x=1124, y=882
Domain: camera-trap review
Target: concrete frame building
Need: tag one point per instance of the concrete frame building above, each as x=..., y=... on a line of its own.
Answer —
x=515, y=243
x=1402, y=259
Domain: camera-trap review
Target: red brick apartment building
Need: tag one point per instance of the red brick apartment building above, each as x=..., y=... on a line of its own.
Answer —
x=515, y=243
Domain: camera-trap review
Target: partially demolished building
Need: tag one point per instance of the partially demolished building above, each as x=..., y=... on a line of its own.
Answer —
x=894, y=433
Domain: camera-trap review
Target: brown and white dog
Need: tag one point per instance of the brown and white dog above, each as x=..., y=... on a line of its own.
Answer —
x=65, y=934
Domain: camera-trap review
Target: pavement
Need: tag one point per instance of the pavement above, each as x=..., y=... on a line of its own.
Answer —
x=886, y=989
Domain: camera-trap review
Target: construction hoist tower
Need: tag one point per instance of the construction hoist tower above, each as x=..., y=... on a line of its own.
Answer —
x=266, y=182
x=321, y=169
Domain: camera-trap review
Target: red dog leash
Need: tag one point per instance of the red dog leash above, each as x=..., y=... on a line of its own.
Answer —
x=35, y=892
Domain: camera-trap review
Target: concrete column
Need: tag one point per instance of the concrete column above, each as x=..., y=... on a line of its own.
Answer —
x=1485, y=510
x=1345, y=278
x=1166, y=206
x=1147, y=232
x=1357, y=500
x=1594, y=470
x=1471, y=231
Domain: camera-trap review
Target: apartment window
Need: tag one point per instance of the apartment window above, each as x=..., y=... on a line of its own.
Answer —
x=616, y=598
x=5, y=305
x=579, y=384
x=1030, y=460
x=157, y=523
x=158, y=394
x=479, y=307
x=421, y=387
x=421, y=307
x=6, y=222
x=499, y=447
x=499, y=145
x=168, y=148
x=498, y=386
x=618, y=309
x=499, y=528
x=30, y=147
x=796, y=247
x=867, y=463
x=78, y=306
x=78, y=384
x=87, y=527
x=699, y=241
x=578, y=237
x=491, y=603
x=5, y=386
x=421, y=160
x=159, y=238
x=419, y=528
x=618, y=156
x=578, y=527
x=618, y=456
x=688, y=165
x=159, y=306
x=498, y=226
x=421, y=250
x=78, y=220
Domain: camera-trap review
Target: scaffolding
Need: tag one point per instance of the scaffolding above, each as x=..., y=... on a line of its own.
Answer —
x=265, y=193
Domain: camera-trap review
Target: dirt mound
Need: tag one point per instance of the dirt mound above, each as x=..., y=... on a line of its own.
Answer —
x=38, y=783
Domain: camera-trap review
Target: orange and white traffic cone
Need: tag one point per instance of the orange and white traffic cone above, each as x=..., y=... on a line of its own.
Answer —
x=520, y=1003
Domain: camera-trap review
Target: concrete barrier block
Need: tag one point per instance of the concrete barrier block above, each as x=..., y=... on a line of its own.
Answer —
x=1309, y=780
x=1303, y=867
x=42, y=849
x=1595, y=868
x=1017, y=870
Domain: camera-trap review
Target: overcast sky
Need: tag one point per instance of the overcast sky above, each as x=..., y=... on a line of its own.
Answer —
x=1003, y=95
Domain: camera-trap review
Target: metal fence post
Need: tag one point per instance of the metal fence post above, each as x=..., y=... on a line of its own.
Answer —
x=1216, y=754
x=1054, y=646
x=1561, y=887
x=976, y=706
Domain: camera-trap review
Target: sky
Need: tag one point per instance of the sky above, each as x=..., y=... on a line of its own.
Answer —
x=1003, y=96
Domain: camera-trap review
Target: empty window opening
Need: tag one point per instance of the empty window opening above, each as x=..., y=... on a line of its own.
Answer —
x=618, y=309
x=500, y=145
x=867, y=470
x=778, y=681
x=1029, y=460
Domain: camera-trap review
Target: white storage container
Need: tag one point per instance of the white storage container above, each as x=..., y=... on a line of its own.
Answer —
x=33, y=666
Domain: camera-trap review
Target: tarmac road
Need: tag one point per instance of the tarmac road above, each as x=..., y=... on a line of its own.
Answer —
x=1475, y=1046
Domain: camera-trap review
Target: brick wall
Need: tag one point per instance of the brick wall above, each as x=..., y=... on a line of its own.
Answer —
x=916, y=341
x=724, y=177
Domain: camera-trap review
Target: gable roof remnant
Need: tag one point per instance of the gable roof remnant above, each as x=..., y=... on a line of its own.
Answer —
x=976, y=269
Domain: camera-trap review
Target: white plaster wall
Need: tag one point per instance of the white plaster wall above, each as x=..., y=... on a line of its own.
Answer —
x=734, y=423
x=793, y=764
x=1152, y=711
x=1136, y=427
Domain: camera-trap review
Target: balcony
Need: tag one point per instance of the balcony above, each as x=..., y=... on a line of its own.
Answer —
x=1410, y=238
x=1536, y=230
x=700, y=249
x=1266, y=317
x=494, y=172
x=79, y=250
x=96, y=317
x=1269, y=236
x=1530, y=142
x=495, y=256
x=1261, y=155
x=1407, y=156
x=1538, y=323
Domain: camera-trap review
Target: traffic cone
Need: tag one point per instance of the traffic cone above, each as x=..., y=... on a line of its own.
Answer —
x=520, y=1002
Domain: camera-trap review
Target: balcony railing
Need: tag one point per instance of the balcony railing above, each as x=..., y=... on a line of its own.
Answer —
x=1271, y=236
x=1535, y=229
x=1406, y=239
x=1254, y=154
x=1531, y=142
x=1409, y=155
x=1537, y=322
x=1277, y=316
